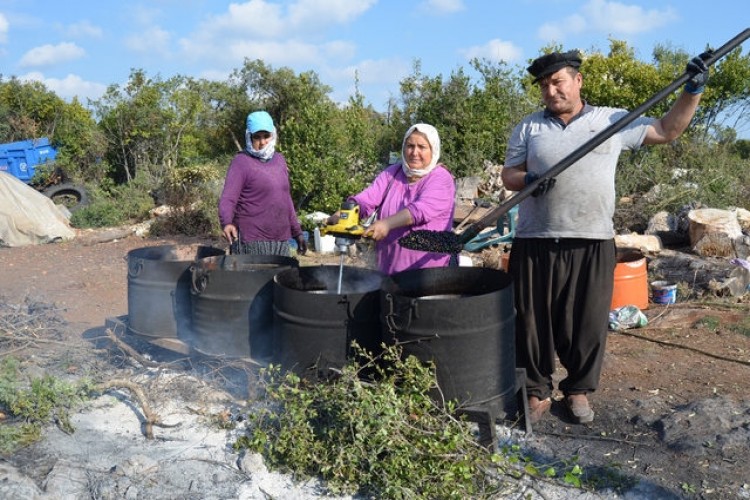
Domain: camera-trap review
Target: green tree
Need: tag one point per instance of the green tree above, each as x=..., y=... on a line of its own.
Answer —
x=313, y=133
x=81, y=144
x=149, y=124
x=28, y=110
x=474, y=118
x=220, y=121
x=619, y=80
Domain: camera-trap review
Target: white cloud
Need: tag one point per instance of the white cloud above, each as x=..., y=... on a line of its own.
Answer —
x=325, y=12
x=258, y=19
x=84, y=29
x=4, y=25
x=49, y=55
x=372, y=76
x=442, y=6
x=280, y=53
x=625, y=19
x=255, y=18
x=215, y=75
x=601, y=16
x=149, y=41
x=370, y=71
x=69, y=87
x=288, y=34
x=258, y=26
x=286, y=53
x=495, y=50
x=144, y=15
x=556, y=32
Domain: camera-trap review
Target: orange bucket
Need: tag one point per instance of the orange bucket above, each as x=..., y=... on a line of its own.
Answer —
x=504, y=260
x=631, y=281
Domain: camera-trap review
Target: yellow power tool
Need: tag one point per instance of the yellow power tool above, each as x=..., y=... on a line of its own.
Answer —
x=348, y=225
x=347, y=228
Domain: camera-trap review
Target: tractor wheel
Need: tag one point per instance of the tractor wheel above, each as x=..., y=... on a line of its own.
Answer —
x=71, y=196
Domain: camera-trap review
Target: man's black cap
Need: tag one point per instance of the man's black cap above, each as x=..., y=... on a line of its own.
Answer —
x=551, y=63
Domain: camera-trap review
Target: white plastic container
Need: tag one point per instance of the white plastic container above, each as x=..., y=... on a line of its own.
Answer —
x=323, y=243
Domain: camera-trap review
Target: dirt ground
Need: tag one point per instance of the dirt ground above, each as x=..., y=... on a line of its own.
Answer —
x=672, y=411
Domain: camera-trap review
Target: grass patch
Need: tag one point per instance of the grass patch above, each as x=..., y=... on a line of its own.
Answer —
x=743, y=327
x=710, y=323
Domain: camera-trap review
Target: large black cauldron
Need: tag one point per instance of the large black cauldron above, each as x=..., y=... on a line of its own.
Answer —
x=463, y=320
x=315, y=324
x=159, y=288
x=232, y=304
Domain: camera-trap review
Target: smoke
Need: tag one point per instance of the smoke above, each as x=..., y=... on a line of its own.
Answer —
x=325, y=279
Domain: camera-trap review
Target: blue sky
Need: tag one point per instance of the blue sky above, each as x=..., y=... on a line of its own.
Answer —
x=80, y=47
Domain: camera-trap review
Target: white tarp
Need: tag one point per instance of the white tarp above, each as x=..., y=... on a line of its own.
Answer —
x=27, y=217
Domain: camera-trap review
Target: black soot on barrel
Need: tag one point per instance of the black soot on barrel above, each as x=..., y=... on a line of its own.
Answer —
x=463, y=320
x=159, y=288
x=232, y=304
x=315, y=325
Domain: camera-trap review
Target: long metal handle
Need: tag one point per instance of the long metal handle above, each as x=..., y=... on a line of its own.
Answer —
x=493, y=215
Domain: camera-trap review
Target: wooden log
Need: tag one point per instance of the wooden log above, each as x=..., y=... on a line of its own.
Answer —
x=713, y=232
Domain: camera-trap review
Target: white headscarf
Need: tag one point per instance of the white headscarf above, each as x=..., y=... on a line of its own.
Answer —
x=433, y=138
x=268, y=150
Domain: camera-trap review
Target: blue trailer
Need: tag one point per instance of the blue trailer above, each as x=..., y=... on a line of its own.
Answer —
x=22, y=159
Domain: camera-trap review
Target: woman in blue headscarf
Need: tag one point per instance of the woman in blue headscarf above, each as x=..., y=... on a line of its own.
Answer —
x=256, y=206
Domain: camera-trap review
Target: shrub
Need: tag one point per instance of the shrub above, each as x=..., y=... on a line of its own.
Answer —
x=46, y=400
x=114, y=205
x=383, y=437
x=192, y=192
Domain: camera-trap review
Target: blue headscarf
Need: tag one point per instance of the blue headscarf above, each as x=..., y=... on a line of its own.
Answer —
x=257, y=121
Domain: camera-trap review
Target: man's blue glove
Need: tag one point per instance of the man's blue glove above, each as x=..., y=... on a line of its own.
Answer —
x=543, y=186
x=699, y=69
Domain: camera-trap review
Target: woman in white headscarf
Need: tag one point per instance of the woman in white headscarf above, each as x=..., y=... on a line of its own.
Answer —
x=256, y=208
x=416, y=194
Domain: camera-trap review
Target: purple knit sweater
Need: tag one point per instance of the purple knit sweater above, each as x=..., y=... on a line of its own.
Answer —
x=256, y=198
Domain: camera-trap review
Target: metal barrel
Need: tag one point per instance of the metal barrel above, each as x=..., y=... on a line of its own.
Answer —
x=159, y=288
x=463, y=320
x=232, y=304
x=315, y=326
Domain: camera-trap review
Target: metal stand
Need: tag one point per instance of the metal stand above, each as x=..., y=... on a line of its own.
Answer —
x=501, y=407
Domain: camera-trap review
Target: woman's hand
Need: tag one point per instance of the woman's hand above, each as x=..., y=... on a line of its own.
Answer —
x=301, y=244
x=333, y=219
x=380, y=228
x=230, y=232
x=377, y=230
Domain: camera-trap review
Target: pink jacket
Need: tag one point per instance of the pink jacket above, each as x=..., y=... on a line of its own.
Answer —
x=431, y=202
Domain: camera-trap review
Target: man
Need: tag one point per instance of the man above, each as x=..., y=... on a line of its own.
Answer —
x=564, y=254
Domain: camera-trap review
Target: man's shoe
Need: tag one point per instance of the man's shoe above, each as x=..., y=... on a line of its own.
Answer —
x=579, y=409
x=537, y=408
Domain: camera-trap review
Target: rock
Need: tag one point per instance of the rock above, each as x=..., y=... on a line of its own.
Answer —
x=738, y=283
x=644, y=243
x=67, y=479
x=743, y=217
x=667, y=228
x=467, y=188
x=14, y=485
x=252, y=463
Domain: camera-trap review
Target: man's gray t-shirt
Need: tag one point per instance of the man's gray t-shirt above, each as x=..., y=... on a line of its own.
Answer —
x=582, y=202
